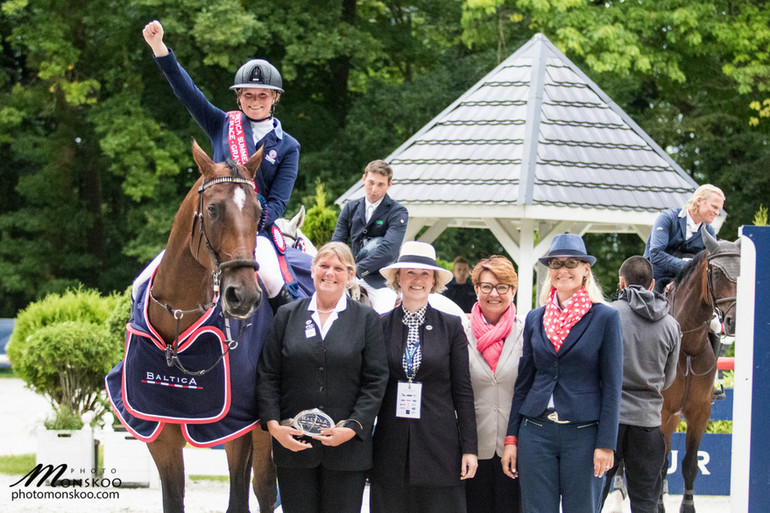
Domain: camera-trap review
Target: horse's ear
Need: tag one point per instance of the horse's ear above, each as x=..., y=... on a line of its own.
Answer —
x=711, y=243
x=204, y=162
x=254, y=161
x=300, y=217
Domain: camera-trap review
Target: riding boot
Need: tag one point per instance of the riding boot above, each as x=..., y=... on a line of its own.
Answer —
x=716, y=345
x=282, y=298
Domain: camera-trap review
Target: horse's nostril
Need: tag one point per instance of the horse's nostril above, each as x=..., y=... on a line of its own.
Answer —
x=233, y=296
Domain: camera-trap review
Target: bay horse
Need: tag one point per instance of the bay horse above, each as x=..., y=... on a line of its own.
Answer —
x=707, y=286
x=210, y=254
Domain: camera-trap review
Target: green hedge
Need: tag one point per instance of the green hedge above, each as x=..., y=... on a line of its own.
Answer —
x=62, y=347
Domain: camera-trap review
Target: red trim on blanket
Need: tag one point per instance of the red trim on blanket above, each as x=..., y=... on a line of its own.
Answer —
x=218, y=441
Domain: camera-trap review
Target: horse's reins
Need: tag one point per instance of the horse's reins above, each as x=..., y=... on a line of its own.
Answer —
x=172, y=352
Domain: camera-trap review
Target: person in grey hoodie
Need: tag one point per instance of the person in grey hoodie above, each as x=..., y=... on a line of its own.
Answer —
x=651, y=339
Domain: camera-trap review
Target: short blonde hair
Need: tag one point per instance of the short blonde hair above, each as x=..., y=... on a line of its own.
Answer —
x=498, y=265
x=392, y=281
x=595, y=293
x=341, y=251
x=704, y=192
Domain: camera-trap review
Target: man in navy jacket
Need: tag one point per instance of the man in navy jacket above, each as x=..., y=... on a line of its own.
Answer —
x=374, y=226
x=675, y=236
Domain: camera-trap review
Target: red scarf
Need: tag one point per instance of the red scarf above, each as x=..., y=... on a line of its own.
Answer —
x=558, y=322
x=490, y=337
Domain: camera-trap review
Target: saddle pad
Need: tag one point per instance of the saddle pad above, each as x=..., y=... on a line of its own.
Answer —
x=144, y=402
x=154, y=391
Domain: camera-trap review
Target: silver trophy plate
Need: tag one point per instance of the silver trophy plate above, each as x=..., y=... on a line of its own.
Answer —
x=311, y=422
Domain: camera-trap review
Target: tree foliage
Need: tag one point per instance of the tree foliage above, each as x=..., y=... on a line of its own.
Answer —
x=97, y=149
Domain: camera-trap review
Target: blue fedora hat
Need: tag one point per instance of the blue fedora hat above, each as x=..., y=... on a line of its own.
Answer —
x=568, y=245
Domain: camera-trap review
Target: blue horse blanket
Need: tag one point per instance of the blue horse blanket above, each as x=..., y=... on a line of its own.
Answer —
x=213, y=408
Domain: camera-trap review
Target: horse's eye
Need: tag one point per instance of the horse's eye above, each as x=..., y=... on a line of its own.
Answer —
x=212, y=210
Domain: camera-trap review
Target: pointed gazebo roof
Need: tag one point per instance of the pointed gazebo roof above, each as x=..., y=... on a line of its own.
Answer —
x=535, y=145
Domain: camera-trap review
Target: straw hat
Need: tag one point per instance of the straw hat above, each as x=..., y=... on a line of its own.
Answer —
x=417, y=255
x=568, y=245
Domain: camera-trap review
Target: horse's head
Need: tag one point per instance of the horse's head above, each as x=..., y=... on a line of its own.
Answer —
x=290, y=229
x=225, y=227
x=722, y=279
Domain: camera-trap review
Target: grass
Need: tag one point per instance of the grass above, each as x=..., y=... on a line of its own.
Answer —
x=17, y=465
x=195, y=477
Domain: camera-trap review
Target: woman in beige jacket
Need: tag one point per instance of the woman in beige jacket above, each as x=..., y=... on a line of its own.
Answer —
x=495, y=345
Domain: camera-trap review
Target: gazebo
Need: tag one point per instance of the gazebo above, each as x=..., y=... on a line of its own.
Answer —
x=534, y=149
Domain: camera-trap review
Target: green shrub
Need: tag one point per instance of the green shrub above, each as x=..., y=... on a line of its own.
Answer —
x=62, y=348
x=320, y=220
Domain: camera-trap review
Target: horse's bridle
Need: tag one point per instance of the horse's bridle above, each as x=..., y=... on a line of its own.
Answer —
x=198, y=220
x=731, y=274
x=172, y=352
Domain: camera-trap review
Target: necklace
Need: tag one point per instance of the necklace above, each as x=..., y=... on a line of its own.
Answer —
x=325, y=311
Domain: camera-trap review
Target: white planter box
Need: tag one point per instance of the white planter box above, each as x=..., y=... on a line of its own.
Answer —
x=72, y=448
x=129, y=460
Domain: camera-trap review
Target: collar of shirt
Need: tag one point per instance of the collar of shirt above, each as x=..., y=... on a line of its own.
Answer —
x=313, y=308
x=261, y=129
x=692, y=226
x=373, y=205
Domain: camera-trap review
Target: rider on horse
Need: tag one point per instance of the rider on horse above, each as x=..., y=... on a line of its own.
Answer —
x=237, y=135
x=676, y=238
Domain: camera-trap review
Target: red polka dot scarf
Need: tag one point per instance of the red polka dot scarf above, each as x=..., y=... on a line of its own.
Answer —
x=558, y=322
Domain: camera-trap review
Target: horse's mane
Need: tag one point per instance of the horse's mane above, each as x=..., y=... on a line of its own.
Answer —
x=690, y=267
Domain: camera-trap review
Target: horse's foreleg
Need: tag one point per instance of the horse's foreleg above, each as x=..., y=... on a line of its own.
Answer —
x=239, y=466
x=696, y=426
x=668, y=425
x=166, y=451
x=264, y=470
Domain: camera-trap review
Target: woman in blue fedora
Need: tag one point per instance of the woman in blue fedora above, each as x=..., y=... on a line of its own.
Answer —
x=564, y=415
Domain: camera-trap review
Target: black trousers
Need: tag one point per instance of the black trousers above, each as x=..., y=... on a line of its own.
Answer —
x=643, y=452
x=321, y=490
x=416, y=499
x=491, y=491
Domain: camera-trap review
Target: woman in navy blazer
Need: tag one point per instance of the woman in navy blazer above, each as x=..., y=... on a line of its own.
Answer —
x=425, y=449
x=563, y=424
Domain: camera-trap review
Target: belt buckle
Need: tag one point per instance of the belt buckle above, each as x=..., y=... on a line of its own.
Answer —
x=554, y=417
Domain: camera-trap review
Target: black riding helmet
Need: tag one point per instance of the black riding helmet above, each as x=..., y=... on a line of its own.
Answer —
x=258, y=74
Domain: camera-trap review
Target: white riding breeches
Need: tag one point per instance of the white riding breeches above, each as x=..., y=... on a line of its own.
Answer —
x=383, y=300
x=269, y=268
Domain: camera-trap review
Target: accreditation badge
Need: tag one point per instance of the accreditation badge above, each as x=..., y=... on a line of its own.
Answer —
x=408, y=399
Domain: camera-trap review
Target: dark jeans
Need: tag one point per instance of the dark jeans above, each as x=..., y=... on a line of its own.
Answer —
x=491, y=491
x=320, y=490
x=643, y=451
x=556, y=461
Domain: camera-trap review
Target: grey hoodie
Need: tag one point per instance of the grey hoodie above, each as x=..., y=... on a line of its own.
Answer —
x=651, y=339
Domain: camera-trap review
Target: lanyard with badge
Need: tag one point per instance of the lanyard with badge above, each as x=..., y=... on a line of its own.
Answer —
x=409, y=393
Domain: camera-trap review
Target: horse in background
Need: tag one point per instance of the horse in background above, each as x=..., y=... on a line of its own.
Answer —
x=706, y=287
x=208, y=265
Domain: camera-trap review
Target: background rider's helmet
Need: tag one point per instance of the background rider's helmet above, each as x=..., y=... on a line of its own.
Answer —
x=258, y=74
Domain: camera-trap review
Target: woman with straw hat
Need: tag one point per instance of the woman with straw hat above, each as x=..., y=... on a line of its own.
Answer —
x=425, y=439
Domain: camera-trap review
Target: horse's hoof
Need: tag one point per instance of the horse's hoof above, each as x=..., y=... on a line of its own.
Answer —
x=687, y=507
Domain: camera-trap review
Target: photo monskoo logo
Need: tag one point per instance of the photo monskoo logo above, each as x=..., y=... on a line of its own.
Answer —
x=69, y=488
x=46, y=471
